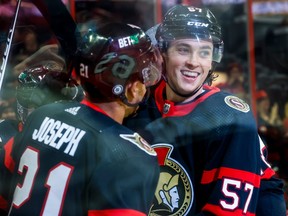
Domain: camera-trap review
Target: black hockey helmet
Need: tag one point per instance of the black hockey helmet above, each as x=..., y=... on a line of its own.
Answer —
x=182, y=22
x=113, y=55
x=43, y=83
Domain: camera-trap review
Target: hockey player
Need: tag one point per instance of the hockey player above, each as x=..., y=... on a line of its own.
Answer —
x=207, y=141
x=76, y=158
x=39, y=84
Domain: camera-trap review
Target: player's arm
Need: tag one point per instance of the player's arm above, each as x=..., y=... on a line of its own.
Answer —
x=271, y=196
x=232, y=173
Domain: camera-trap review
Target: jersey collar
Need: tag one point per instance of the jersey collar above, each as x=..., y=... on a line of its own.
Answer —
x=169, y=108
x=93, y=106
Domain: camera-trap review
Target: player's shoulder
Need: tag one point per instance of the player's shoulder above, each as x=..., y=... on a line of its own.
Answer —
x=59, y=111
x=76, y=113
x=135, y=140
x=58, y=105
x=235, y=103
x=229, y=102
x=8, y=123
x=58, y=108
x=226, y=107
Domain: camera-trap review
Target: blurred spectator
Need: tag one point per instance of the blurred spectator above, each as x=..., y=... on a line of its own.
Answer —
x=8, y=113
x=285, y=128
x=235, y=81
x=267, y=115
x=50, y=51
x=285, y=122
x=7, y=107
x=270, y=128
x=30, y=45
x=284, y=151
x=8, y=92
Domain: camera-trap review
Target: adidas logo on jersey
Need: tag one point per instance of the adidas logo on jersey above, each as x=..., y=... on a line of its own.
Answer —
x=73, y=110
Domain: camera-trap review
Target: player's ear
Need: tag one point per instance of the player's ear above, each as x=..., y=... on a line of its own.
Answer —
x=135, y=91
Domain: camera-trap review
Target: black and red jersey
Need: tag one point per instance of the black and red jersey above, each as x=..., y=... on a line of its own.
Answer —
x=72, y=159
x=209, y=154
x=8, y=128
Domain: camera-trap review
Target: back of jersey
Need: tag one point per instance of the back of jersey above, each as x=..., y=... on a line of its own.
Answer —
x=74, y=160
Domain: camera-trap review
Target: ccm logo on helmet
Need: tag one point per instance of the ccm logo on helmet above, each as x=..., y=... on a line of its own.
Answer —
x=128, y=41
x=198, y=24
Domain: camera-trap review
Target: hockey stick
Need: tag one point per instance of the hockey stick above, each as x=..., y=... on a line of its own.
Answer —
x=63, y=26
x=8, y=45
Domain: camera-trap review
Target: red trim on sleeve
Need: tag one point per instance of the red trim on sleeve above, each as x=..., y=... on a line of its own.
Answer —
x=245, y=176
x=268, y=173
x=8, y=160
x=219, y=211
x=113, y=212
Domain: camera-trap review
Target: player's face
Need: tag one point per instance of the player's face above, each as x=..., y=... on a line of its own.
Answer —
x=188, y=62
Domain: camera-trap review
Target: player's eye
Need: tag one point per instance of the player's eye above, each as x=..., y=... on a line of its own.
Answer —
x=205, y=53
x=183, y=50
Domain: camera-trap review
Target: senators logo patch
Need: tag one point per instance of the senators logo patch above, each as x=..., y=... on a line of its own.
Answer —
x=237, y=103
x=174, y=193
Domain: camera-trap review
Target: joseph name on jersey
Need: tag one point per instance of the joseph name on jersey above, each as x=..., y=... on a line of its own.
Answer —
x=56, y=134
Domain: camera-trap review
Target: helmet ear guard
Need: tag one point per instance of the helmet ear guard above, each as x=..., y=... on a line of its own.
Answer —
x=218, y=51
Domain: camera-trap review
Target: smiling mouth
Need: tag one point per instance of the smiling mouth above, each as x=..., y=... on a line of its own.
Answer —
x=190, y=74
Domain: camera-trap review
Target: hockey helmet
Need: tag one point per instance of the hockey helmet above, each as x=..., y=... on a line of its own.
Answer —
x=113, y=55
x=181, y=22
x=43, y=83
